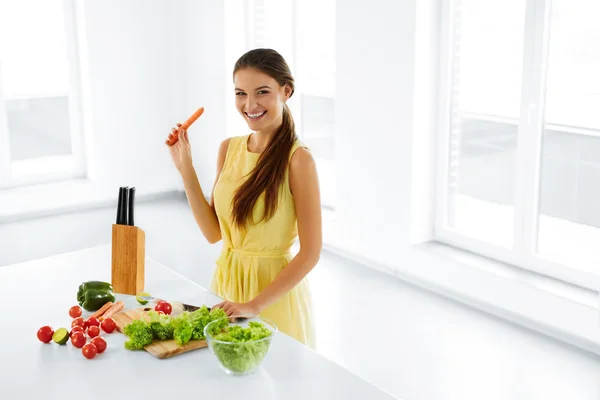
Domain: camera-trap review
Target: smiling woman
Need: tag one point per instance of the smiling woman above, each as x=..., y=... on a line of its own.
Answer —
x=266, y=195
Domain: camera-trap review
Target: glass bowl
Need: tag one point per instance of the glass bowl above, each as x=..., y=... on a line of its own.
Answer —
x=240, y=344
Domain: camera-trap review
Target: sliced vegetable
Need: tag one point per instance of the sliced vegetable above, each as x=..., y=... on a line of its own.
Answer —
x=139, y=333
x=183, y=328
x=245, y=350
x=61, y=336
x=164, y=307
x=140, y=300
x=160, y=325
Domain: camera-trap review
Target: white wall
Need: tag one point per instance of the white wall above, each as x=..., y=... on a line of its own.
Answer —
x=131, y=96
x=375, y=67
x=203, y=23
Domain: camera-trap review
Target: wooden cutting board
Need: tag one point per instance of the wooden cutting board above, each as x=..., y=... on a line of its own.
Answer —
x=158, y=348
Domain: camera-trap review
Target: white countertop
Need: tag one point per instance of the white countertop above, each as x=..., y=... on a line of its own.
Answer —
x=40, y=292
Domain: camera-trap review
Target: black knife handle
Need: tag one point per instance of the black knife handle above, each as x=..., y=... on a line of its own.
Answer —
x=130, y=209
x=120, y=206
x=124, y=206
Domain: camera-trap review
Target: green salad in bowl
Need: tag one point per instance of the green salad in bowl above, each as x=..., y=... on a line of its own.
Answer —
x=241, y=346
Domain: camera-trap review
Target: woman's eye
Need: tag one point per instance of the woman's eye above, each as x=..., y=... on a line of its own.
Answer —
x=240, y=93
x=263, y=92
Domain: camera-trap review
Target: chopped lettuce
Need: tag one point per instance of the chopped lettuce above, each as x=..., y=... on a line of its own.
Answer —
x=139, y=333
x=244, y=350
x=161, y=326
x=183, y=328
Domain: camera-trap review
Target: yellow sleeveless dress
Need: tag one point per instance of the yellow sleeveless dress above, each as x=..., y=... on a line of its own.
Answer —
x=252, y=259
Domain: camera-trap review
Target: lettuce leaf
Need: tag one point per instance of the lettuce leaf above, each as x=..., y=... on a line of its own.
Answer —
x=139, y=333
x=244, y=350
x=161, y=326
x=183, y=328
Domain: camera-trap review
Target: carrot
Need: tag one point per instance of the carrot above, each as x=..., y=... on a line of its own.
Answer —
x=102, y=310
x=185, y=126
x=115, y=308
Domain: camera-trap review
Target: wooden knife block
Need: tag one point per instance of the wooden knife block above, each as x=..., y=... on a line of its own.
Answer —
x=128, y=259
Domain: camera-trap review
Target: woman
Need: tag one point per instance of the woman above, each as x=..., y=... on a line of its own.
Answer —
x=266, y=194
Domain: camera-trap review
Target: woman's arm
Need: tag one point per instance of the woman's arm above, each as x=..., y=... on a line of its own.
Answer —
x=204, y=213
x=304, y=184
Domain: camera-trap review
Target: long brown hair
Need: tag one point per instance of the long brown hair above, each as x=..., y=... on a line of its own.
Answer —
x=270, y=170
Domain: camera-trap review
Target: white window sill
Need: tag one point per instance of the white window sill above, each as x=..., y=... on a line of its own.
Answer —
x=556, y=309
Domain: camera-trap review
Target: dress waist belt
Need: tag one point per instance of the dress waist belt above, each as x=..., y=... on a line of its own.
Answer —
x=265, y=253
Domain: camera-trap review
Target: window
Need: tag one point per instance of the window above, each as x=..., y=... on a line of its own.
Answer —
x=303, y=32
x=39, y=118
x=315, y=70
x=519, y=160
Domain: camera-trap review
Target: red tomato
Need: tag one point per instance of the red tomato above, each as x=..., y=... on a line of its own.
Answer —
x=79, y=321
x=164, y=307
x=78, y=339
x=44, y=334
x=100, y=344
x=75, y=312
x=77, y=328
x=93, y=331
x=89, y=351
x=108, y=325
x=92, y=321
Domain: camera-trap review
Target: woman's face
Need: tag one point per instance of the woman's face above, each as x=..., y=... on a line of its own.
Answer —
x=259, y=98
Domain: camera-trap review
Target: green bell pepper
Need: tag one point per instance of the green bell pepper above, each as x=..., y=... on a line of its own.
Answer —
x=94, y=294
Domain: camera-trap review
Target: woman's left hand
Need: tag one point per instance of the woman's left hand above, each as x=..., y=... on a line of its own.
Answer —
x=238, y=309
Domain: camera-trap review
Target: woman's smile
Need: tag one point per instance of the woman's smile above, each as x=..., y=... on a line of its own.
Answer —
x=256, y=116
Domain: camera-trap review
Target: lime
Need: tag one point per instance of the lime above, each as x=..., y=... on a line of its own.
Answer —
x=139, y=298
x=61, y=336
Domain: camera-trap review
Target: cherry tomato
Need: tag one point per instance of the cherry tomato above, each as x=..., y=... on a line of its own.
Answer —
x=79, y=321
x=100, y=344
x=164, y=307
x=92, y=321
x=93, y=331
x=108, y=325
x=77, y=328
x=44, y=334
x=89, y=351
x=78, y=339
x=75, y=312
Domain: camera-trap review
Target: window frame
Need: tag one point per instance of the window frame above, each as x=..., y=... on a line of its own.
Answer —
x=77, y=157
x=528, y=153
